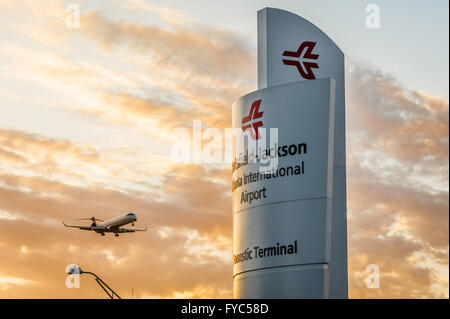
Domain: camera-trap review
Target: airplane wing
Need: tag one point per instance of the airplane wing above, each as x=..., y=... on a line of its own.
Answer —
x=128, y=230
x=85, y=227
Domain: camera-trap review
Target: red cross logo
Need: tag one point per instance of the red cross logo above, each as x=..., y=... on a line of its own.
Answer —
x=305, y=70
x=252, y=115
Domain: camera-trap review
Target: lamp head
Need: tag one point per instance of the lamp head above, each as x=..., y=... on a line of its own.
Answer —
x=75, y=271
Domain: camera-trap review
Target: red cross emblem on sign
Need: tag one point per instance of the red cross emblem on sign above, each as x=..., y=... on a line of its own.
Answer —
x=252, y=115
x=303, y=67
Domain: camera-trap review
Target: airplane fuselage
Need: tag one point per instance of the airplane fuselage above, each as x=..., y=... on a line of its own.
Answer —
x=119, y=220
x=116, y=222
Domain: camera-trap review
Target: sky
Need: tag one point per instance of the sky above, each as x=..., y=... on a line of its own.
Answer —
x=86, y=122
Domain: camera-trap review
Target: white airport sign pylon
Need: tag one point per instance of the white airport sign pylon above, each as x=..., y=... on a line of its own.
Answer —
x=289, y=225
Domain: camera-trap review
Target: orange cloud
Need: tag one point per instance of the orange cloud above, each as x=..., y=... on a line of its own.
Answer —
x=397, y=198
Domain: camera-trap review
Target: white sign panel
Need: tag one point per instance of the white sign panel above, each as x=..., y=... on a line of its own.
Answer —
x=282, y=217
x=290, y=48
x=290, y=231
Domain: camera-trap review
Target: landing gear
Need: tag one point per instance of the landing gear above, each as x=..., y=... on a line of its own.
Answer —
x=132, y=224
x=102, y=234
x=116, y=235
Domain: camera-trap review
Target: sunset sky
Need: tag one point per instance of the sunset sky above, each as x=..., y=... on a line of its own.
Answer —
x=86, y=116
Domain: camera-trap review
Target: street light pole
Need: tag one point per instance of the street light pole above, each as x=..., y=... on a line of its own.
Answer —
x=109, y=291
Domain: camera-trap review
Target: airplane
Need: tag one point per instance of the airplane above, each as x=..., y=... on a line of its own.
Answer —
x=111, y=225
